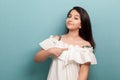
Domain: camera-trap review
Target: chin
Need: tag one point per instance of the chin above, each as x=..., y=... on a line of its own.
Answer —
x=71, y=27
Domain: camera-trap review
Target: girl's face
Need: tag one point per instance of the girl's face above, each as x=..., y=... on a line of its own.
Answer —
x=73, y=21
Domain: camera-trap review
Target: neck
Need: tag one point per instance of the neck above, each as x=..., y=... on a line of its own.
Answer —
x=73, y=34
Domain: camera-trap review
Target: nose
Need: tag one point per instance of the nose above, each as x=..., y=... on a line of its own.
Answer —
x=70, y=19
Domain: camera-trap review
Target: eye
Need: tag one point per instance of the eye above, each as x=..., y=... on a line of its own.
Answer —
x=76, y=18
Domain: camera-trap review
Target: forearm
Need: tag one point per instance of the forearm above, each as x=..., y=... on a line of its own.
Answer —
x=42, y=55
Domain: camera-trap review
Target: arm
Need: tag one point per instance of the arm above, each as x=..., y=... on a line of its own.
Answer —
x=84, y=71
x=43, y=54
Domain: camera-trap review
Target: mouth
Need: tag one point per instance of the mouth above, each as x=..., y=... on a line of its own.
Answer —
x=70, y=23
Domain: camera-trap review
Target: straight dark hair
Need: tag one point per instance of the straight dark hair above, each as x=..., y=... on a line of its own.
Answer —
x=85, y=31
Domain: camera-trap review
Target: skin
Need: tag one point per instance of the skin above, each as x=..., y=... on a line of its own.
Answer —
x=73, y=23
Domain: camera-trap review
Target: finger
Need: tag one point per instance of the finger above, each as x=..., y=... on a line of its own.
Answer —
x=64, y=49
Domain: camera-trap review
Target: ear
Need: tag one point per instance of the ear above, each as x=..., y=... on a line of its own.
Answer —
x=80, y=27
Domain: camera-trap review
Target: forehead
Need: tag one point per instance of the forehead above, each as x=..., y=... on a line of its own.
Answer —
x=74, y=12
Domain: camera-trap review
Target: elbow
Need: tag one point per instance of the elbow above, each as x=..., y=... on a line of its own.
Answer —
x=37, y=59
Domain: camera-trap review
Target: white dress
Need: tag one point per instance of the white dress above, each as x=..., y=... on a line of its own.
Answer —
x=66, y=66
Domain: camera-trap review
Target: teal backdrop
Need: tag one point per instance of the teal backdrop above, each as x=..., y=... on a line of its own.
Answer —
x=25, y=23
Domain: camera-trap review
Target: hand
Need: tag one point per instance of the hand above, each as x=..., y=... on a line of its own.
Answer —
x=56, y=51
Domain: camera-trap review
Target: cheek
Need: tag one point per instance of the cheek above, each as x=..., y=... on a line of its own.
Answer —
x=66, y=20
x=77, y=23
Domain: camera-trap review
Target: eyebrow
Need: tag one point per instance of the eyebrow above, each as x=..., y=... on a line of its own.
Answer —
x=75, y=15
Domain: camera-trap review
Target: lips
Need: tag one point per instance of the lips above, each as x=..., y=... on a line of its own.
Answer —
x=69, y=23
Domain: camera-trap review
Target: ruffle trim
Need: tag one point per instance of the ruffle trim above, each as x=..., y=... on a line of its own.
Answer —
x=80, y=56
x=48, y=43
x=74, y=53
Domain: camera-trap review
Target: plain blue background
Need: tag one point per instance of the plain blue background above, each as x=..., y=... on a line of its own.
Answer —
x=25, y=23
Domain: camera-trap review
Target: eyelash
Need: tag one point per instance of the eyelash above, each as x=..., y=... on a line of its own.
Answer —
x=74, y=18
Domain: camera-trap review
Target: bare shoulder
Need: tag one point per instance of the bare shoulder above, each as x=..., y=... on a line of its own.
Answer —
x=86, y=43
x=56, y=37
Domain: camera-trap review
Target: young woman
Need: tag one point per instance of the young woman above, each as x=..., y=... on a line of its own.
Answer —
x=72, y=53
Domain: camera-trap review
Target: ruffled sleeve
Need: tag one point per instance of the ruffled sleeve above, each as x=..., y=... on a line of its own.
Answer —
x=48, y=43
x=78, y=55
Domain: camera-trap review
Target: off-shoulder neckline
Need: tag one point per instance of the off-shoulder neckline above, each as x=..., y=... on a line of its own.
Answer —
x=70, y=44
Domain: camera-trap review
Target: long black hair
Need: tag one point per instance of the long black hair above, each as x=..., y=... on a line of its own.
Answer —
x=85, y=31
